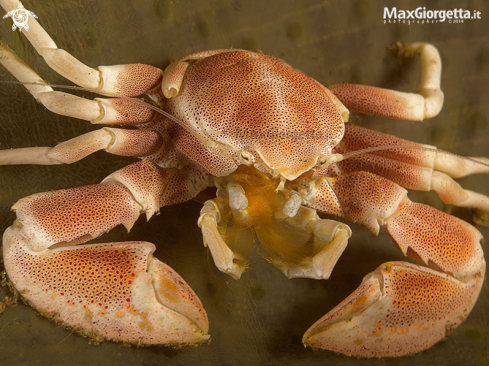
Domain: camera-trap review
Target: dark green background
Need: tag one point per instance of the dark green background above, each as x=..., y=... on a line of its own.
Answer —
x=260, y=318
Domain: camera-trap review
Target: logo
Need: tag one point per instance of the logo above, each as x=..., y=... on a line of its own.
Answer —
x=421, y=16
x=20, y=17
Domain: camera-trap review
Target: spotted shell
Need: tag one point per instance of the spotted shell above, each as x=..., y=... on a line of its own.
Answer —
x=255, y=109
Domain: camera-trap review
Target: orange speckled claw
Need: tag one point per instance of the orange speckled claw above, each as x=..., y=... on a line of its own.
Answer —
x=74, y=215
x=399, y=309
x=115, y=291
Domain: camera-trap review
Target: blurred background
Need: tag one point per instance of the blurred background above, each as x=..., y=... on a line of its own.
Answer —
x=262, y=317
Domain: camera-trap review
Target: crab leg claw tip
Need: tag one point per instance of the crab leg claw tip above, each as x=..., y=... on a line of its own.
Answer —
x=399, y=309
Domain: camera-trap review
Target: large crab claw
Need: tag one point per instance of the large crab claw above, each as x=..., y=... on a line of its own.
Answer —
x=399, y=309
x=115, y=291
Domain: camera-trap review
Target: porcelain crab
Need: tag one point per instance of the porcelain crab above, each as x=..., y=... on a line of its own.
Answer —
x=274, y=143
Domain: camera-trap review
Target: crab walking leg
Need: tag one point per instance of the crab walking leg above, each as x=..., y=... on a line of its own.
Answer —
x=116, y=80
x=122, y=111
x=136, y=143
x=114, y=291
x=395, y=104
x=400, y=308
x=418, y=169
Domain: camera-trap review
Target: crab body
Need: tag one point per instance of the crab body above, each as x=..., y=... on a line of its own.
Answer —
x=274, y=143
x=228, y=96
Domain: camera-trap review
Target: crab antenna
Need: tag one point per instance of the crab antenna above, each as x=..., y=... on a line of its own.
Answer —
x=137, y=100
x=348, y=155
x=352, y=154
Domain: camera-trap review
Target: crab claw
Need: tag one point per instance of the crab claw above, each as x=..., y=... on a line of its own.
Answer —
x=399, y=309
x=115, y=291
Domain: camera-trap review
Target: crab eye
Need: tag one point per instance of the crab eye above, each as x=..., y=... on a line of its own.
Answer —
x=325, y=160
x=246, y=158
x=173, y=79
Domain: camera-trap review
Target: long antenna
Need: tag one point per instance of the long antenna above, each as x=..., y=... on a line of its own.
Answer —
x=352, y=154
x=74, y=87
x=345, y=156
